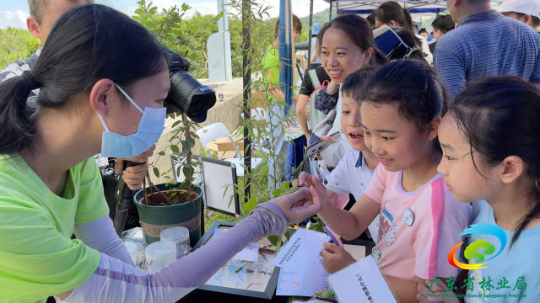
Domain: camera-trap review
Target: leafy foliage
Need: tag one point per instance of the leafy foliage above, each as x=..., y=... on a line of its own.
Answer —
x=185, y=36
x=15, y=44
x=188, y=36
x=320, y=17
x=167, y=27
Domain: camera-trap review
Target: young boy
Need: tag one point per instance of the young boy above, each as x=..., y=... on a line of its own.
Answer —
x=355, y=170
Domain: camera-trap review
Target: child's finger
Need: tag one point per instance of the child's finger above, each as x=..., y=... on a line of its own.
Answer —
x=316, y=196
x=318, y=192
x=318, y=184
x=330, y=247
x=328, y=139
x=422, y=298
x=304, y=179
x=438, y=286
x=326, y=254
x=422, y=288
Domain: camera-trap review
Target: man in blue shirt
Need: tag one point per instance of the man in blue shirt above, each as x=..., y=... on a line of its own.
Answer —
x=485, y=44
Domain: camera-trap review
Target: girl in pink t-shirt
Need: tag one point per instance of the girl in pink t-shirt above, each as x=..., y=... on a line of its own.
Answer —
x=420, y=221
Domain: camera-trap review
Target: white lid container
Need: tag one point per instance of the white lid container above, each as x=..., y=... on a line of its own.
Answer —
x=179, y=236
x=159, y=255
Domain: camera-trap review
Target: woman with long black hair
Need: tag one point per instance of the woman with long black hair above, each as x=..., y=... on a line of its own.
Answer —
x=102, y=80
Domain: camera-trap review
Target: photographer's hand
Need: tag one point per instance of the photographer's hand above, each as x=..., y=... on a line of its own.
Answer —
x=133, y=176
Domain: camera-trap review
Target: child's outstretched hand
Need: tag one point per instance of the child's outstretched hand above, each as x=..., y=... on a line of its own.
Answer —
x=438, y=290
x=335, y=258
x=318, y=191
x=298, y=205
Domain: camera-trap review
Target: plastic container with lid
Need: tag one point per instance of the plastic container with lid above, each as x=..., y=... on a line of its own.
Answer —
x=159, y=255
x=179, y=236
x=136, y=252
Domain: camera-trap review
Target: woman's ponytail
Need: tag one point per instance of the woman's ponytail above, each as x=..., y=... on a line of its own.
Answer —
x=409, y=25
x=16, y=127
x=408, y=20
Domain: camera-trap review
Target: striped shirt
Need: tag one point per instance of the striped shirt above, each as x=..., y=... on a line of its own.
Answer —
x=17, y=68
x=487, y=44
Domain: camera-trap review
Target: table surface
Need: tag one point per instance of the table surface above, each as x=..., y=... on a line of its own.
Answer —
x=357, y=251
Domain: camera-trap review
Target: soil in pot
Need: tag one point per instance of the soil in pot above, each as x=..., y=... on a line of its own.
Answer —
x=170, y=197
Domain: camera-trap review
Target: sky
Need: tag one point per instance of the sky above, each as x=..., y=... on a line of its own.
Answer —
x=14, y=12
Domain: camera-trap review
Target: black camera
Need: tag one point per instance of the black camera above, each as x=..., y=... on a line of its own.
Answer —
x=187, y=95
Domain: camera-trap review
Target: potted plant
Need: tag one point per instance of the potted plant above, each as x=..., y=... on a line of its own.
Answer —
x=172, y=204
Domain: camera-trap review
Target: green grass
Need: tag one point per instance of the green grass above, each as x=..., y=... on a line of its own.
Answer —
x=211, y=217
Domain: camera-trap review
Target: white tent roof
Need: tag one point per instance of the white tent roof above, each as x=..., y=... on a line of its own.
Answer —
x=340, y=6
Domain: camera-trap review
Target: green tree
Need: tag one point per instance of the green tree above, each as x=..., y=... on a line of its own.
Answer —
x=320, y=17
x=15, y=44
x=186, y=37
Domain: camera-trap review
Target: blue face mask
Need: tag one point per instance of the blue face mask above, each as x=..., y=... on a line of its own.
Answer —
x=150, y=129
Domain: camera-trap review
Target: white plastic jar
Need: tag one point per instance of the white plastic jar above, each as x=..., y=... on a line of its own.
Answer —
x=179, y=236
x=159, y=255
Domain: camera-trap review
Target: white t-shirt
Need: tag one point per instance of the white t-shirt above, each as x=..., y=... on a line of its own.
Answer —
x=425, y=49
x=352, y=175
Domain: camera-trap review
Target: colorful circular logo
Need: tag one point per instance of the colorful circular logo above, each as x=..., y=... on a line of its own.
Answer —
x=479, y=249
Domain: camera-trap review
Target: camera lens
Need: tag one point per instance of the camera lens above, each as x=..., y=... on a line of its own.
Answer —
x=189, y=96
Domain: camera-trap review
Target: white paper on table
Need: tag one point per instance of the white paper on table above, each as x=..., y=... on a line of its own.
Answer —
x=305, y=284
x=250, y=253
x=361, y=282
x=301, y=250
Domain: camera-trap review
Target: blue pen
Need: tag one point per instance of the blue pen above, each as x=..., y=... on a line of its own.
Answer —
x=332, y=236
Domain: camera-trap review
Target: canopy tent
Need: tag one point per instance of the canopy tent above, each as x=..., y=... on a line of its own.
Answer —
x=419, y=9
x=338, y=7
